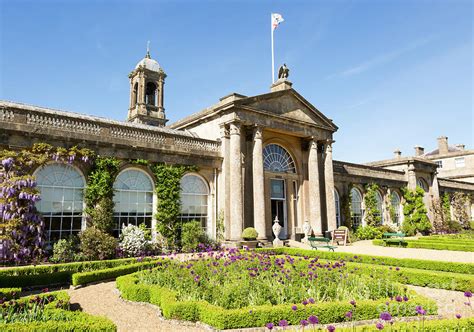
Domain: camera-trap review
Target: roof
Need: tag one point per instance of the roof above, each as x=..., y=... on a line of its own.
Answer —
x=451, y=148
x=149, y=63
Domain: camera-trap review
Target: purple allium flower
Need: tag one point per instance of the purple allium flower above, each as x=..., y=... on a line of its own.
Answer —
x=405, y=298
x=467, y=294
x=353, y=302
x=385, y=316
x=420, y=311
x=331, y=328
x=283, y=323
x=251, y=311
x=269, y=326
x=379, y=326
x=294, y=308
x=349, y=314
x=398, y=298
x=397, y=268
x=458, y=316
x=305, y=302
x=313, y=319
x=304, y=322
x=311, y=300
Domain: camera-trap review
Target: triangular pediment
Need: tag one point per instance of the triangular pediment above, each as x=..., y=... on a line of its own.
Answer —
x=290, y=105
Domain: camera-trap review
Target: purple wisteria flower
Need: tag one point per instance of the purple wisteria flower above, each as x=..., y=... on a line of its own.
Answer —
x=313, y=319
x=385, y=316
x=269, y=326
x=379, y=326
x=7, y=163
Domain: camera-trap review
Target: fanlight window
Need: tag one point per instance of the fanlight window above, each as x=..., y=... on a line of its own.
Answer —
x=61, y=204
x=395, y=201
x=356, y=207
x=277, y=159
x=194, y=199
x=133, y=198
x=379, y=212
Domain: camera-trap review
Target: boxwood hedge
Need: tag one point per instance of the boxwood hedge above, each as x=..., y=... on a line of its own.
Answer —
x=218, y=317
x=45, y=275
x=467, y=268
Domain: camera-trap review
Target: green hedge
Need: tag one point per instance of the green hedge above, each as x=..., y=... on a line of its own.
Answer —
x=432, y=245
x=220, y=318
x=460, y=325
x=62, y=320
x=82, y=278
x=44, y=275
x=9, y=293
x=379, y=260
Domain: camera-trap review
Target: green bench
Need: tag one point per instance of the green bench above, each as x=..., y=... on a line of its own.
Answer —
x=389, y=238
x=320, y=242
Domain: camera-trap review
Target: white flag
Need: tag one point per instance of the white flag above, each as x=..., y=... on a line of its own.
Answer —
x=276, y=20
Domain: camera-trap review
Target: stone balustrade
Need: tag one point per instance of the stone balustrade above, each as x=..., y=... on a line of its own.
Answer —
x=44, y=120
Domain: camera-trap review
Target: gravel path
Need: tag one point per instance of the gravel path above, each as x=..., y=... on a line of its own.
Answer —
x=449, y=302
x=103, y=299
x=367, y=248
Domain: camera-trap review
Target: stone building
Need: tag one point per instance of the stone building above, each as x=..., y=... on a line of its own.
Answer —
x=260, y=159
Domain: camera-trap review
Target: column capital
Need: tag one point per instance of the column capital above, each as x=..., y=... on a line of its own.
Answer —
x=224, y=130
x=257, y=132
x=235, y=128
x=328, y=145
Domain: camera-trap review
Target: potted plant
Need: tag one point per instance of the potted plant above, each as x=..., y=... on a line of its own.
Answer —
x=249, y=236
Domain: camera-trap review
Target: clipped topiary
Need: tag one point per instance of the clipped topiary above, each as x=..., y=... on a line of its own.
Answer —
x=249, y=234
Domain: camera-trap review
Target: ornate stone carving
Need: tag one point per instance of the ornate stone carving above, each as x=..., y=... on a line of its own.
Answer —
x=258, y=132
x=276, y=228
x=234, y=128
x=306, y=231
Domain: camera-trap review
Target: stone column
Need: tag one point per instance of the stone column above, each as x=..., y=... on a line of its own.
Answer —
x=411, y=177
x=224, y=181
x=160, y=103
x=314, y=189
x=236, y=220
x=435, y=186
x=258, y=184
x=329, y=185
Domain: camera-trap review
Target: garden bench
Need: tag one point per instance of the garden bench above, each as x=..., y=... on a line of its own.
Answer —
x=320, y=242
x=389, y=238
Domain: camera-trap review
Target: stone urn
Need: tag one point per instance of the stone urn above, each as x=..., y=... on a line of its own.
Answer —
x=306, y=231
x=276, y=231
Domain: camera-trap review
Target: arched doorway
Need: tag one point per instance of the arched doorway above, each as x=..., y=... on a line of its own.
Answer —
x=280, y=170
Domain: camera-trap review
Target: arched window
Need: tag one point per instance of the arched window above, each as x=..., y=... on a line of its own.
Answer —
x=338, y=208
x=194, y=199
x=150, y=94
x=133, y=198
x=422, y=184
x=61, y=204
x=395, y=202
x=135, y=94
x=379, y=199
x=277, y=159
x=356, y=207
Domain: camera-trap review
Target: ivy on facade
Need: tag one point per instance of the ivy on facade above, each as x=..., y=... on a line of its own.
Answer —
x=373, y=216
x=416, y=218
x=346, y=213
x=168, y=191
x=459, y=203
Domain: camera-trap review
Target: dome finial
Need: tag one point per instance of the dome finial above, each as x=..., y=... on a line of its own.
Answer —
x=148, y=50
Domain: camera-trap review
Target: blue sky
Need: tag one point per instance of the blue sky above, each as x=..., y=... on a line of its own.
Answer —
x=391, y=74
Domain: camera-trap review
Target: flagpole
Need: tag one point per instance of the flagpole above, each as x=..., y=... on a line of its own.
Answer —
x=273, y=53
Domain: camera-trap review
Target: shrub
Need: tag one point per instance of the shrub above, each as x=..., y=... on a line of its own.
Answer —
x=132, y=241
x=368, y=233
x=191, y=235
x=96, y=244
x=66, y=250
x=416, y=219
x=102, y=215
x=249, y=233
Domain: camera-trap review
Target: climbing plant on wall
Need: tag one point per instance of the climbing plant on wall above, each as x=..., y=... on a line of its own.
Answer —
x=168, y=190
x=99, y=193
x=373, y=216
x=459, y=202
x=416, y=219
x=346, y=200
x=21, y=225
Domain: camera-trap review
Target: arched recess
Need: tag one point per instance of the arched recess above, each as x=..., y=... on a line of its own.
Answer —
x=396, y=207
x=133, y=198
x=151, y=94
x=337, y=203
x=379, y=198
x=62, y=199
x=195, y=200
x=420, y=182
x=356, y=207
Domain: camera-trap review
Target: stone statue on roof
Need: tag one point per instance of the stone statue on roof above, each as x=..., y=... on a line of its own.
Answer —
x=283, y=72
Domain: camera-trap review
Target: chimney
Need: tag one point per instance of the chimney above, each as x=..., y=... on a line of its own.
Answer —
x=419, y=151
x=460, y=146
x=397, y=154
x=443, y=144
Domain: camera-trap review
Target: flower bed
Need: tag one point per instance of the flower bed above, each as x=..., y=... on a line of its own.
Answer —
x=236, y=290
x=48, y=312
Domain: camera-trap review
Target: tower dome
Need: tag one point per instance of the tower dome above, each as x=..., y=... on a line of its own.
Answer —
x=149, y=63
